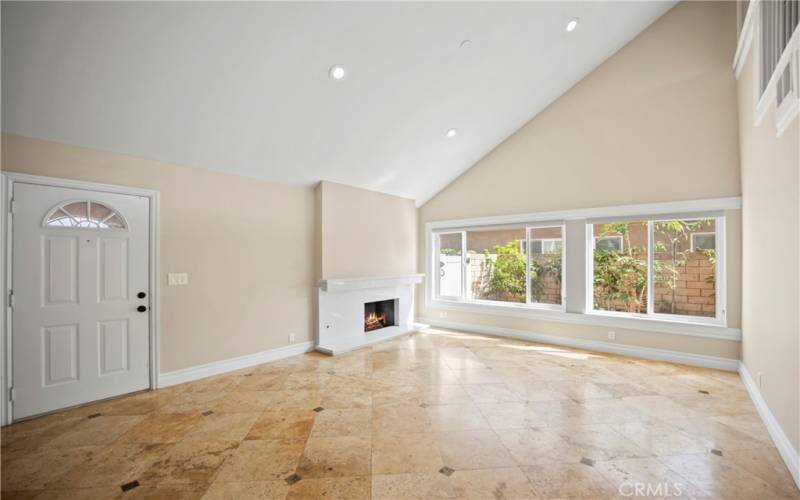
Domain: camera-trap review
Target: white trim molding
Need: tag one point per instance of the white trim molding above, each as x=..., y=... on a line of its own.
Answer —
x=9, y=179
x=349, y=284
x=232, y=364
x=592, y=345
x=643, y=209
x=594, y=319
x=789, y=455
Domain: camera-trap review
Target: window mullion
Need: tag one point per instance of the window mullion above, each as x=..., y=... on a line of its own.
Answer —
x=650, y=262
x=464, y=266
x=528, y=265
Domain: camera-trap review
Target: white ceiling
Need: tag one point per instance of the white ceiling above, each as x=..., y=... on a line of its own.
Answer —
x=244, y=88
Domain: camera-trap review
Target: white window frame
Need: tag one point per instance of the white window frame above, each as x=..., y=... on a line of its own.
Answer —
x=612, y=236
x=750, y=39
x=691, y=240
x=576, y=255
x=465, y=275
x=719, y=318
x=437, y=252
x=542, y=240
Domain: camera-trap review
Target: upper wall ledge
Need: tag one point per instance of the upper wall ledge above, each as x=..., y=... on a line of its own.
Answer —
x=347, y=284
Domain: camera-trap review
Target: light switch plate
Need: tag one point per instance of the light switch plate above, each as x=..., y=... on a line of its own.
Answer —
x=174, y=279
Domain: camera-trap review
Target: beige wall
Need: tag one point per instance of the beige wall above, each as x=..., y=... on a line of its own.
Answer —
x=771, y=249
x=248, y=246
x=364, y=233
x=656, y=122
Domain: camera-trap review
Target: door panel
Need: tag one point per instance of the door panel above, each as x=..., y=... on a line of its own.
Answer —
x=60, y=270
x=113, y=346
x=113, y=269
x=60, y=354
x=79, y=260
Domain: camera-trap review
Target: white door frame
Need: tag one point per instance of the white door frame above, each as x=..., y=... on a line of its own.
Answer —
x=6, y=223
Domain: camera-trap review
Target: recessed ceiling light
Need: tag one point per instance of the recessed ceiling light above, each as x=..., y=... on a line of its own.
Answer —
x=465, y=44
x=337, y=72
x=572, y=24
x=452, y=132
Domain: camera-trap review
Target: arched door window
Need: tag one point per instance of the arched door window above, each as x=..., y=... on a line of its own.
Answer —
x=85, y=214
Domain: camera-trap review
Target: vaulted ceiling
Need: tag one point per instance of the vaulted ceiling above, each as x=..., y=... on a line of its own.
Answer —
x=244, y=88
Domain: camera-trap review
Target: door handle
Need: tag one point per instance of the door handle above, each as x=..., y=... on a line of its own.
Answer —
x=141, y=295
x=141, y=309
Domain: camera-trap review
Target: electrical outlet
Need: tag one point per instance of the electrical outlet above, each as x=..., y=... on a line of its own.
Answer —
x=612, y=335
x=758, y=379
x=175, y=279
x=291, y=337
x=442, y=314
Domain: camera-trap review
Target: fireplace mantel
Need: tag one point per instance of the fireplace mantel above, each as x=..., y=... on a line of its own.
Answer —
x=349, y=284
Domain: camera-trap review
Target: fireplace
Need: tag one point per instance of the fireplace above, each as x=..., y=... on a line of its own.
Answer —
x=379, y=314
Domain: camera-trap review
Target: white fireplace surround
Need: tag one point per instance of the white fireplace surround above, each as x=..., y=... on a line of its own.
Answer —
x=340, y=310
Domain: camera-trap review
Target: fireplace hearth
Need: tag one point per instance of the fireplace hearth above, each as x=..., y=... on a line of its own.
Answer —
x=379, y=314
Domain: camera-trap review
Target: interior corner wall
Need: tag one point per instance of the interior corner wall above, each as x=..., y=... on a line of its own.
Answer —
x=247, y=245
x=655, y=122
x=770, y=168
x=364, y=233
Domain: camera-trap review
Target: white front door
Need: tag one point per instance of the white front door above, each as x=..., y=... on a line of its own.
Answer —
x=81, y=297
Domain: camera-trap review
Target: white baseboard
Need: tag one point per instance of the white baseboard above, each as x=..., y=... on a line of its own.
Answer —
x=593, y=345
x=788, y=453
x=228, y=365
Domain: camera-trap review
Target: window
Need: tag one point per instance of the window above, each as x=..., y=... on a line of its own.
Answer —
x=620, y=269
x=609, y=243
x=544, y=245
x=85, y=215
x=703, y=241
x=648, y=272
x=683, y=274
x=666, y=268
x=451, y=276
x=779, y=19
x=545, y=265
x=497, y=266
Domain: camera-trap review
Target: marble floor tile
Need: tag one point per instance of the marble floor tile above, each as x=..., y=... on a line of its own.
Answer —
x=232, y=426
x=601, y=442
x=480, y=449
x=349, y=422
x=460, y=417
x=645, y=477
x=499, y=483
x=569, y=481
x=403, y=453
x=261, y=460
x=343, y=456
x=415, y=486
x=285, y=424
x=247, y=490
x=400, y=420
x=344, y=488
x=720, y=477
x=538, y=445
x=438, y=414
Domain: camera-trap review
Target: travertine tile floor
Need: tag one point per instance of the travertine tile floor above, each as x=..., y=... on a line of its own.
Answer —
x=435, y=415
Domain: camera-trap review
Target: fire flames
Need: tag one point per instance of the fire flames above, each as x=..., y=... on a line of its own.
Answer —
x=374, y=321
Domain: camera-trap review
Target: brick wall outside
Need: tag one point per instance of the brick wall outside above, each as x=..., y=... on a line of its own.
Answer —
x=695, y=292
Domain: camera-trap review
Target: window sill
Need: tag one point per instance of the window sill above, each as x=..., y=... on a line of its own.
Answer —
x=594, y=318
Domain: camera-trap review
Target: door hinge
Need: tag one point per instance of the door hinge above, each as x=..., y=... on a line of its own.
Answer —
x=12, y=394
x=11, y=298
x=13, y=206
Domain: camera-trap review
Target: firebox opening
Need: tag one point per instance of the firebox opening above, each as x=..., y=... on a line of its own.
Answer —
x=379, y=314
